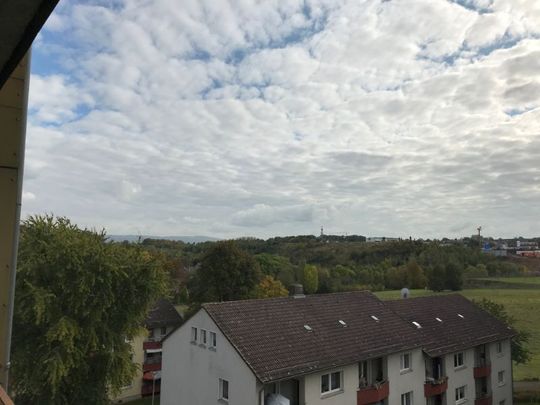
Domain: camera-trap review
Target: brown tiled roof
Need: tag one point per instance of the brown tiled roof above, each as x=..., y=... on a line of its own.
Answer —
x=270, y=335
x=163, y=314
x=474, y=327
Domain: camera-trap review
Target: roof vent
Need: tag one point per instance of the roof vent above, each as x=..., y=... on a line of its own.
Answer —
x=296, y=291
x=342, y=323
x=308, y=328
x=417, y=324
x=461, y=316
x=439, y=319
x=374, y=318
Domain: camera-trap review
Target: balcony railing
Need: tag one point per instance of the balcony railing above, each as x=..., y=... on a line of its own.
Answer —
x=372, y=394
x=147, y=389
x=482, y=371
x=151, y=345
x=154, y=366
x=484, y=400
x=435, y=387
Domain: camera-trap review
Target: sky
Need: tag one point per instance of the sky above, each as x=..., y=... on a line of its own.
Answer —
x=263, y=118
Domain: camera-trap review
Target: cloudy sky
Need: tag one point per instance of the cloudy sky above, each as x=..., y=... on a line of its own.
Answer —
x=262, y=118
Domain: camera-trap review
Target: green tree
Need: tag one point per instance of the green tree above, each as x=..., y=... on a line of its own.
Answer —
x=436, y=276
x=77, y=299
x=453, y=276
x=415, y=275
x=311, y=278
x=226, y=273
x=269, y=287
x=520, y=352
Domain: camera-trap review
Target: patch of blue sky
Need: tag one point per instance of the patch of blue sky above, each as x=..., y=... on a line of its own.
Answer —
x=296, y=36
x=513, y=112
x=473, y=6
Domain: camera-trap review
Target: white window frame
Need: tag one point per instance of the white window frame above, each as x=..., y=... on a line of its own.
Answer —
x=402, y=367
x=330, y=389
x=461, y=394
x=194, y=334
x=457, y=356
x=222, y=383
x=501, y=381
x=213, y=340
x=407, y=398
x=204, y=337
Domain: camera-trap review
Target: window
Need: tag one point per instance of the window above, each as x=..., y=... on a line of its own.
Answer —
x=406, y=399
x=213, y=340
x=460, y=394
x=194, y=334
x=459, y=359
x=331, y=382
x=500, y=377
x=223, y=389
x=499, y=347
x=163, y=330
x=203, y=337
x=405, y=362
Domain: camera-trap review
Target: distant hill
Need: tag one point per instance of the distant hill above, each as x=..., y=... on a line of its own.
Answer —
x=185, y=239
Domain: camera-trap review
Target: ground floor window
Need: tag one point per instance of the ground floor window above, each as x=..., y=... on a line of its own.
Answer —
x=331, y=382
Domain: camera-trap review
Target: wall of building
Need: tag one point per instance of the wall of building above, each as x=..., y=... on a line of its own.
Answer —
x=501, y=362
x=347, y=395
x=461, y=376
x=401, y=383
x=133, y=391
x=191, y=373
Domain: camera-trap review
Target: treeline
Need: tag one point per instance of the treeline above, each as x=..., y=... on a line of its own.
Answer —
x=331, y=264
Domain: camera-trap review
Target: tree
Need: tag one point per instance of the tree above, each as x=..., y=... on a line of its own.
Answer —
x=269, y=287
x=436, y=277
x=77, y=299
x=520, y=353
x=454, y=276
x=415, y=275
x=225, y=273
x=311, y=279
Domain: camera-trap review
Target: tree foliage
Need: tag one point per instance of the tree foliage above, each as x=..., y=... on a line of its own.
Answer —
x=77, y=300
x=225, y=273
x=311, y=279
x=520, y=352
x=269, y=287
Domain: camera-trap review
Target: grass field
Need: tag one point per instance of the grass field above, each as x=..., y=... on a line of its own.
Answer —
x=522, y=304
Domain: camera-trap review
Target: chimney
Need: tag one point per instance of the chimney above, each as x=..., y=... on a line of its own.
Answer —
x=296, y=291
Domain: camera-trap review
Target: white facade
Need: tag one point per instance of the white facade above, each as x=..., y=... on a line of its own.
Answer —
x=460, y=376
x=501, y=362
x=191, y=372
x=403, y=381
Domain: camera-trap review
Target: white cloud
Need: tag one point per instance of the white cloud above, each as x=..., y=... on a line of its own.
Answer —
x=232, y=118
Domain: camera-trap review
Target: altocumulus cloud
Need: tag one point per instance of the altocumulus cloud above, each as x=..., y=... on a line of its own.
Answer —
x=234, y=118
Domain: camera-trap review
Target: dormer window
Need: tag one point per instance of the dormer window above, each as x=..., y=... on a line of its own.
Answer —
x=374, y=318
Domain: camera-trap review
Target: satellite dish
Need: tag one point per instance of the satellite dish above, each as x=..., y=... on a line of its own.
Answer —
x=405, y=293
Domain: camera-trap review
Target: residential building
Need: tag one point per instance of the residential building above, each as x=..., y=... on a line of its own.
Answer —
x=147, y=351
x=334, y=349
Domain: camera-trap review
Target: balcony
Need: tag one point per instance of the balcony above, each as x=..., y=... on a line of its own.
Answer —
x=482, y=371
x=484, y=400
x=152, y=366
x=372, y=394
x=151, y=345
x=435, y=387
x=147, y=389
